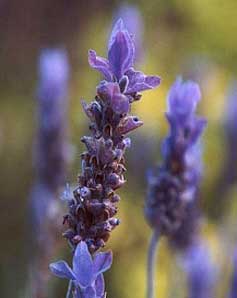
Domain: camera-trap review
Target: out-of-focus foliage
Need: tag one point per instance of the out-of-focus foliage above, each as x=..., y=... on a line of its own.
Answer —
x=195, y=38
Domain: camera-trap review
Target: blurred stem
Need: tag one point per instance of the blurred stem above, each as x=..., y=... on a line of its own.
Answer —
x=69, y=290
x=151, y=262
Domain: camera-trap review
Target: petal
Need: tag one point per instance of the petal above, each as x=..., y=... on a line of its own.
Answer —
x=89, y=292
x=62, y=270
x=110, y=93
x=101, y=64
x=102, y=262
x=83, y=265
x=120, y=51
x=183, y=98
x=100, y=285
x=138, y=81
x=198, y=126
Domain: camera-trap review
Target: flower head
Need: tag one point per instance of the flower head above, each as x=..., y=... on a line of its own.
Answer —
x=119, y=65
x=86, y=273
x=173, y=186
x=94, y=203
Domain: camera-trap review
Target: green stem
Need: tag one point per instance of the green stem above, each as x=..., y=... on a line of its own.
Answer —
x=151, y=262
x=69, y=291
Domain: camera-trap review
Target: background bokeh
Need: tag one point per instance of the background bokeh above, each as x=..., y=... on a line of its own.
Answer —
x=194, y=38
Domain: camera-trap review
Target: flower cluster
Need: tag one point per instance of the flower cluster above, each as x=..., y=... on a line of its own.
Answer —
x=94, y=203
x=86, y=277
x=173, y=186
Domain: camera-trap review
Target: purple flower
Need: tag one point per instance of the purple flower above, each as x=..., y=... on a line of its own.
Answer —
x=173, y=186
x=201, y=272
x=94, y=203
x=121, y=53
x=185, y=126
x=87, y=273
x=52, y=109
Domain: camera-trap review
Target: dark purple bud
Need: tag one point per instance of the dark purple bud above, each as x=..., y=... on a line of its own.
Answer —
x=115, y=181
x=128, y=124
x=115, y=198
x=123, y=84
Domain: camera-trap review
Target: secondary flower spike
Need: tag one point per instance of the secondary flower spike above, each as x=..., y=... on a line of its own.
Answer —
x=173, y=185
x=94, y=203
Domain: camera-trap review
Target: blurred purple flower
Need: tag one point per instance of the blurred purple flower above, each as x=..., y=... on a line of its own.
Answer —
x=87, y=273
x=200, y=270
x=173, y=186
x=233, y=291
x=230, y=125
x=52, y=107
x=121, y=53
x=50, y=161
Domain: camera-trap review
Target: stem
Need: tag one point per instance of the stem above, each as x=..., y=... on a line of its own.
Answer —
x=69, y=289
x=151, y=262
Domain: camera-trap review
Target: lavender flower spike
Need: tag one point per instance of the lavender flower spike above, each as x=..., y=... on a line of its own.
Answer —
x=119, y=65
x=50, y=163
x=94, y=205
x=172, y=187
x=87, y=273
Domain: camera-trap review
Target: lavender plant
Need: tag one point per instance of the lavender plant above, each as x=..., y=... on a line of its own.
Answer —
x=92, y=208
x=50, y=159
x=172, y=187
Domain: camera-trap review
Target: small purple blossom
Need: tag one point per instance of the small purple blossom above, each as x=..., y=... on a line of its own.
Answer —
x=121, y=54
x=173, y=186
x=201, y=272
x=86, y=273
